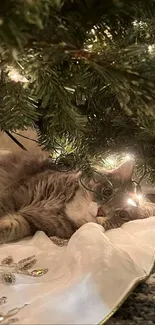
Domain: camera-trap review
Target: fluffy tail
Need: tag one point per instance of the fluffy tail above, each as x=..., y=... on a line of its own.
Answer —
x=13, y=227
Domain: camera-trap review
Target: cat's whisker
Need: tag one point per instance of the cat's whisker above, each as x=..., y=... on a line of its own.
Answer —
x=58, y=202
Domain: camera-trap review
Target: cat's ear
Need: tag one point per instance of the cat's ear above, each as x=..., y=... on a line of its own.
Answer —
x=124, y=172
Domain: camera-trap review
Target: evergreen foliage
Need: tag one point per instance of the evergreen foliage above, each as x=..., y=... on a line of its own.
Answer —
x=82, y=73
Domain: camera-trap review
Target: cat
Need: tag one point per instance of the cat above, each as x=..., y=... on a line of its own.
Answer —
x=35, y=195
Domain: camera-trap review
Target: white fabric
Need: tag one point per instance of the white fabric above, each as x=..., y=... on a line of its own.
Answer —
x=86, y=280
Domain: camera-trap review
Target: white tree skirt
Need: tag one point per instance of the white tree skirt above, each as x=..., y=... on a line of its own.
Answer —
x=86, y=280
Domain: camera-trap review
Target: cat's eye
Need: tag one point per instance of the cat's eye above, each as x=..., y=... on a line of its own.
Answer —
x=124, y=215
x=107, y=193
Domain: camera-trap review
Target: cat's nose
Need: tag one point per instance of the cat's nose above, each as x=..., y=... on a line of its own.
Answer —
x=101, y=212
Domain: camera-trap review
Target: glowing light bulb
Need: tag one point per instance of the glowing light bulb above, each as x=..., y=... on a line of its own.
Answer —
x=93, y=31
x=57, y=153
x=139, y=196
x=131, y=202
x=111, y=161
x=128, y=157
x=89, y=46
x=150, y=48
x=141, y=24
x=15, y=76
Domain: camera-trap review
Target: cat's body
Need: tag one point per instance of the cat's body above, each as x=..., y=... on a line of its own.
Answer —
x=35, y=195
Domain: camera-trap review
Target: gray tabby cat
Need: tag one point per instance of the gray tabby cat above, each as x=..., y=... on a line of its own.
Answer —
x=34, y=195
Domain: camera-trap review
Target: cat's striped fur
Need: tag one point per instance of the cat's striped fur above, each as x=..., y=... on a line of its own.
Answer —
x=36, y=196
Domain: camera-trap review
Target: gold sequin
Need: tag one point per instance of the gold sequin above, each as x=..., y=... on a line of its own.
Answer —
x=39, y=272
x=8, y=278
x=21, y=267
x=3, y=300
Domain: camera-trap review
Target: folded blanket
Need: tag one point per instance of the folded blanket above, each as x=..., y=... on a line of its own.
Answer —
x=84, y=282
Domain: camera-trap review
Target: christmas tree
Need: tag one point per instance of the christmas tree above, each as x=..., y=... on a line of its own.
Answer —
x=82, y=73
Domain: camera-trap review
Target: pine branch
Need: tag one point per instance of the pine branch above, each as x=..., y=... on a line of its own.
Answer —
x=91, y=74
x=18, y=109
x=59, y=115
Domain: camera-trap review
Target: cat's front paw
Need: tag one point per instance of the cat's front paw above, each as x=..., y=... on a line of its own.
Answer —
x=101, y=221
x=105, y=223
x=4, y=229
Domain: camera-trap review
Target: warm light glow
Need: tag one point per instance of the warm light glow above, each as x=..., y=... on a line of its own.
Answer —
x=135, y=22
x=140, y=24
x=57, y=153
x=15, y=76
x=93, y=31
x=131, y=202
x=111, y=161
x=128, y=157
x=151, y=48
x=139, y=196
x=89, y=46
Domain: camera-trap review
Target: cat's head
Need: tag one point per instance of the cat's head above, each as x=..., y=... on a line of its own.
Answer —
x=111, y=189
x=117, y=201
x=144, y=210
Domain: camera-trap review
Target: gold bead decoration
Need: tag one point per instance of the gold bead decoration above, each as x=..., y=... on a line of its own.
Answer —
x=38, y=272
x=8, y=278
x=21, y=267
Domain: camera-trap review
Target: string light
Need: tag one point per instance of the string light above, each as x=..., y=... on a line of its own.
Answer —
x=109, y=162
x=128, y=157
x=57, y=153
x=140, y=24
x=131, y=202
x=93, y=31
x=89, y=46
x=114, y=161
x=136, y=201
x=15, y=76
x=150, y=48
x=139, y=197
